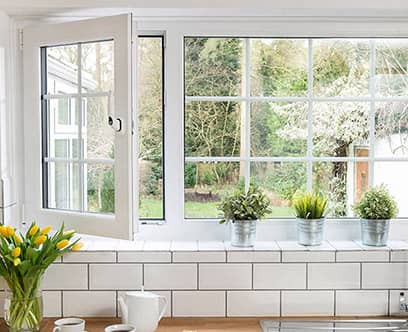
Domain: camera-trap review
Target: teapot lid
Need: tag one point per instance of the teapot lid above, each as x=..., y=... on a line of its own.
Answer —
x=142, y=293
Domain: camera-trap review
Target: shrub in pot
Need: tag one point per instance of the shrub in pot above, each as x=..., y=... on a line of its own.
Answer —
x=310, y=211
x=375, y=210
x=243, y=209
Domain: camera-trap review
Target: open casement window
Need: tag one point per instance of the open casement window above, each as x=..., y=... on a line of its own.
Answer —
x=77, y=76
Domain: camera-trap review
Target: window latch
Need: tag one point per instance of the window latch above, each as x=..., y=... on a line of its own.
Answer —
x=115, y=124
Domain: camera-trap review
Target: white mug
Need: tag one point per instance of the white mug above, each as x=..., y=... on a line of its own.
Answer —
x=120, y=328
x=69, y=325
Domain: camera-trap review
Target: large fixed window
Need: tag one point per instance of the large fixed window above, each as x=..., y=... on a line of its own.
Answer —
x=329, y=115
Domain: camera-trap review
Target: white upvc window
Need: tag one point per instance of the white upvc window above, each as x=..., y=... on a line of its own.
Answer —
x=78, y=126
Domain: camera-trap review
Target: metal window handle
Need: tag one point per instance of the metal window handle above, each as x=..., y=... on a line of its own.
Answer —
x=115, y=124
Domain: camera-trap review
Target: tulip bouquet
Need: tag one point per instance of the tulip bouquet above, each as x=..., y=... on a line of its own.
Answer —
x=23, y=261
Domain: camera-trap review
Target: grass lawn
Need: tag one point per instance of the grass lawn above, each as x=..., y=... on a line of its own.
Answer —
x=152, y=208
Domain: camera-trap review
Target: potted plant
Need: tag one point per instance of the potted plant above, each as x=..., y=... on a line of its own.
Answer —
x=243, y=209
x=23, y=261
x=375, y=209
x=310, y=211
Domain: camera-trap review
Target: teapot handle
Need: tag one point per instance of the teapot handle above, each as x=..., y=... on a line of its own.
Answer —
x=164, y=303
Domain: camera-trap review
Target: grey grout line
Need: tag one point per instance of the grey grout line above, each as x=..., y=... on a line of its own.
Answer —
x=62, y=304
x=280, y=303
x=389, y=303
x=361, y=275
x=334, y=304
x=226, y=304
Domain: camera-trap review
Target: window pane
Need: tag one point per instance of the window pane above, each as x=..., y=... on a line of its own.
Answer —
x=99, y=137
x=150, y=126
x=337, y=126
x=62, y=69
x=205, y=184
x=391, y=67
x=279, y=181
x=212, y=129
x=278, y=129
x=279, y=67
x=391, y=129
x=341, y=67
x=97, y=66
x=393, y=174
x=63, y=186
x=100, y=188
x=213, y=66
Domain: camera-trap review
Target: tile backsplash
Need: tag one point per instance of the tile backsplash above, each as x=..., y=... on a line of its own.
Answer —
x=215, y=279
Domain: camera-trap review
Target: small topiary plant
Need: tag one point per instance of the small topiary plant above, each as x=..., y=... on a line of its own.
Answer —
x=309, y=205
x=376, y=203
x=241, y=205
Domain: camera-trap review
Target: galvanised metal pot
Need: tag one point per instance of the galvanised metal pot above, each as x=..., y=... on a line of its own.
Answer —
x=243, y=233
x=310, y=231
x=374, y=232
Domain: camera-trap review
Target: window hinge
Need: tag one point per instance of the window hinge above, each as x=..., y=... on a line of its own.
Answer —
x=21, y=39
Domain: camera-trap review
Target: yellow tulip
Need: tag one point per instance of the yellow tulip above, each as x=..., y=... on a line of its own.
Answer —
x=16, y=252
x=3, y=231
x=33, y=230
x=10, y=231
x=45, y=230
x=16, y=261
x=62, y=244
x=40, y=240
x=77, y=246
x=69, y=233
x=17, y=239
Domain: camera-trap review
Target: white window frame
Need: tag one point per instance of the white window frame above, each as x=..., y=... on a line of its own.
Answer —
x=117, y=28
x=176, y=226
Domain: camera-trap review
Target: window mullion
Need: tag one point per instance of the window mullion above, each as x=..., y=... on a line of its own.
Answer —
x=80, y=120
x=247, y=112
x=309, y=170
x=372, y=114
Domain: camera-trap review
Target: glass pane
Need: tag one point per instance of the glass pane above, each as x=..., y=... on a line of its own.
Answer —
x=341, y=67
x=337, y=126
x=279, y=67
x=150, y=126
x=206, y=183
x=391, y=129
x=62, y=69
x=213, y=66
x=278, y=129
x=100, y=188
x=391, y=67
x=63, y=186
x=279, y=181
x=99, y=137
x=97, y=66
x=62, y=137
x=342, y=183
x=393, y=174
x=212, y=129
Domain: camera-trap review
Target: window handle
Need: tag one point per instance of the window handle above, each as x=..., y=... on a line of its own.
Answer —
x=115, y=124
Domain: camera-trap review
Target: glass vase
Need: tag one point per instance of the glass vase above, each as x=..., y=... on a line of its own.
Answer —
x=23, y=314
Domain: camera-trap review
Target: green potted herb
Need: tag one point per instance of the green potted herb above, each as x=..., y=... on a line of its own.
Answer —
x=375, y=209
x=310, y=211
x=243, y=209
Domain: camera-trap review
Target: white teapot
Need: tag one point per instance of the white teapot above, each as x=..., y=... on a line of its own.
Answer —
x=143, y=310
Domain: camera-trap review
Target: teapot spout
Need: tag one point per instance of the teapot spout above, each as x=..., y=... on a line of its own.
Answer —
x=124, y=309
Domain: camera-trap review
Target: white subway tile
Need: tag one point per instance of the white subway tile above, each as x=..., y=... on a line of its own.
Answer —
x=253, y=256
x=66, y=276
x=266, y=245
x=115, y=276
x=399, y=256
x=211, y=246
x=333, y=275
x=52, y=304
x=362, y=256
x=385, y=275
x=307, y=256
x=199, y=256
x=324, y=246
x=345, y=245
x=198, y=304
x=144, y=257
x=90, y=257
x=394, y=301
x=362, y=303
x=125, y=245
x=184, y=246
x=225, y=276
x=365, y=247
x=166, y=294
x=397, y=245
x=157, y=246
x=253, y=303
x=279, y=276
x=307, y=303
x=89, y=304
x=291, y=245
x=170, y=276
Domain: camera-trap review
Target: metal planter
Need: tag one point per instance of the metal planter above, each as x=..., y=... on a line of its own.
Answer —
x=310, y=231
x=374, y=232
x=243, y=233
